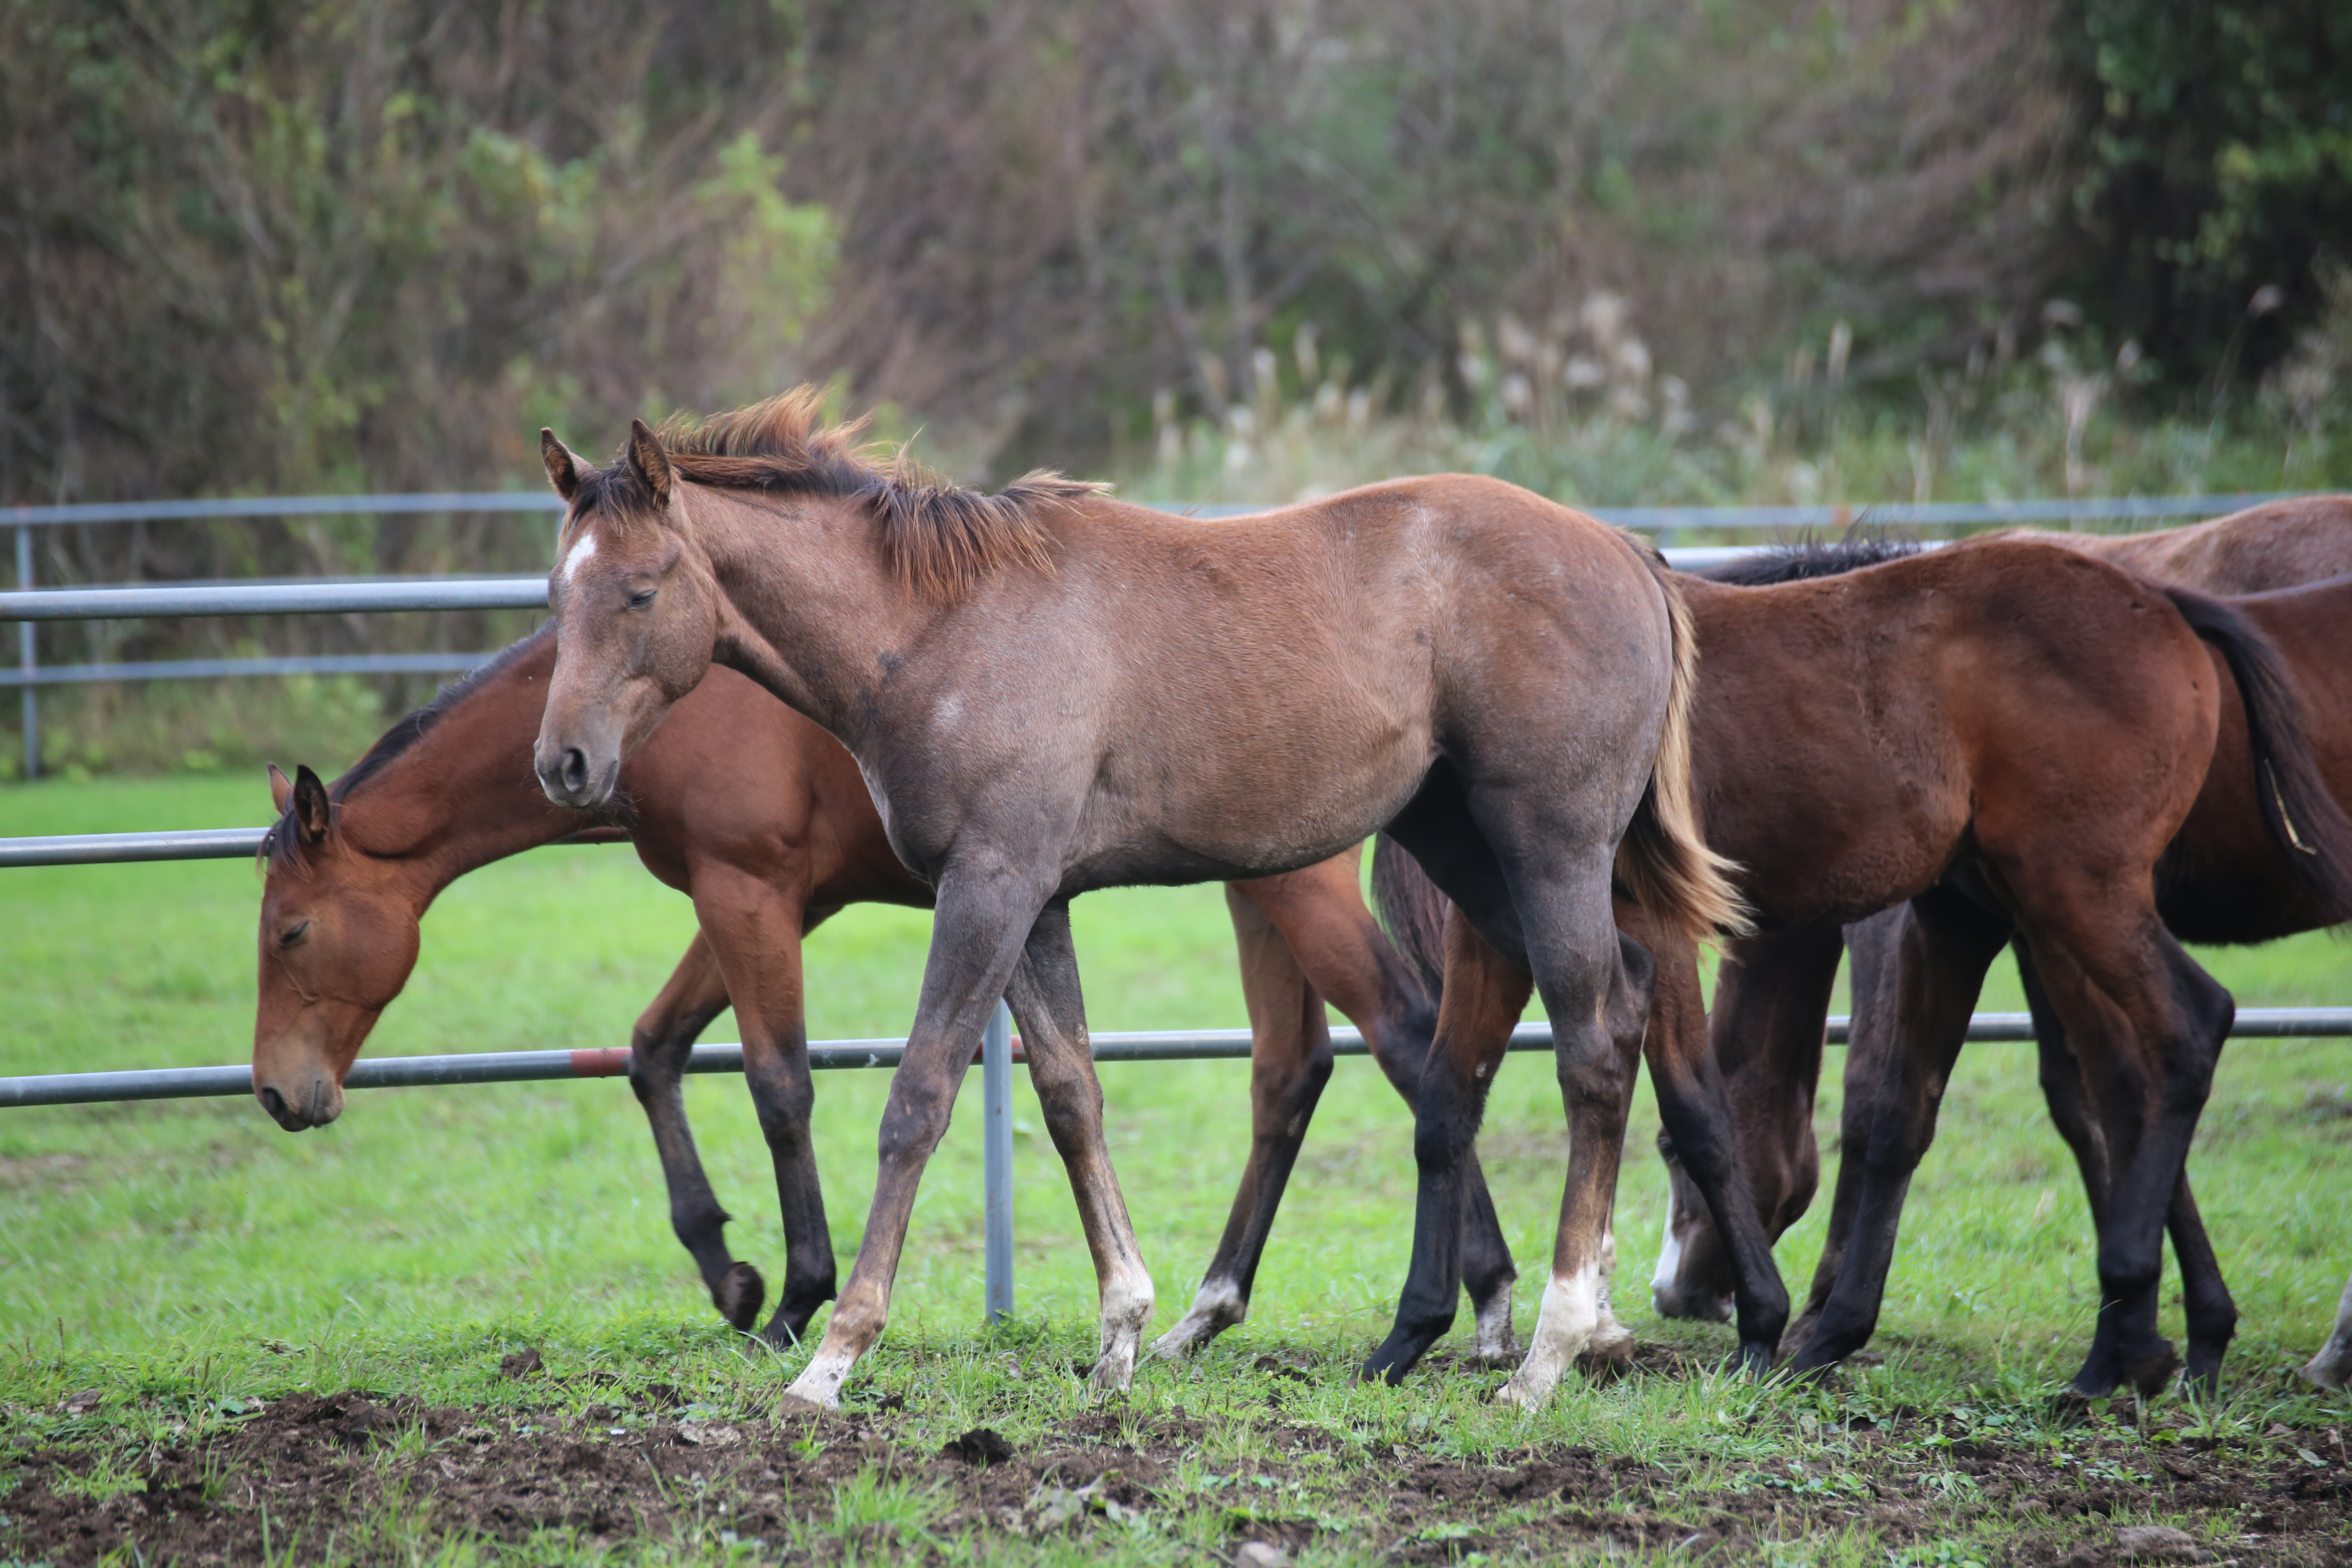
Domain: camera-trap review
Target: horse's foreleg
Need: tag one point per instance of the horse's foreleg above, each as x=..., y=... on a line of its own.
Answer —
x=1326, y=942
x=981, y=924
x=754, y=923
x=1348, y=958
x=1484, y=996
x=1290, y=1061
x=695, y=994
x=1764, y=1038
x=1708, y=1142
x=1907, y=1042
x=1875, y=949
x=2332, y=1367
x=1045, y=996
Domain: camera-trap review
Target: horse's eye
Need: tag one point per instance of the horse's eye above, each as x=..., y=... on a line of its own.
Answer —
x=294, y=934
x=641, y=598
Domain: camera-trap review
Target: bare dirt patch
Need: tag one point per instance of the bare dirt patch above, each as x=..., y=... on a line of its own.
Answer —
x=361, y=1477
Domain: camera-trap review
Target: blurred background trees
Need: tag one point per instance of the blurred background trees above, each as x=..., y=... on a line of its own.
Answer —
x=276, y=245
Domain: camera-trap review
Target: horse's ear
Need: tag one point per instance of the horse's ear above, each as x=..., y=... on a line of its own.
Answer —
x=311, y=814
x=563, y=468
x=649, y=461
x=281, y=789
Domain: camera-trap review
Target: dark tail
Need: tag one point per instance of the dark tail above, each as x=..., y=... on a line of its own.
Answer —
x=1413, y=909
x=2305, y=819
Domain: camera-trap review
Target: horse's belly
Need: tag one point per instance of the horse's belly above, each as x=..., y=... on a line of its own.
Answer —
x=1247, y=814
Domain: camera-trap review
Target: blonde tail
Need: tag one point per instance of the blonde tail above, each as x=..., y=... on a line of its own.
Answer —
x=1663, y=861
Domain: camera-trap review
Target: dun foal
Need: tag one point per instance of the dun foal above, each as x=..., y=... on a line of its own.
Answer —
x=1047, y=692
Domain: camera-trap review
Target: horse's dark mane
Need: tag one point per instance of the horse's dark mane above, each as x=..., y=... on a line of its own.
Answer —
x=283, y=845
x=940, y=538
x=1810, y=558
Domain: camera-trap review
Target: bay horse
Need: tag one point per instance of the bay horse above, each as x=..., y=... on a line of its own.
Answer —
x=2017, y=711
x=2228, y=877
x=1048, y=692
x=761, y=818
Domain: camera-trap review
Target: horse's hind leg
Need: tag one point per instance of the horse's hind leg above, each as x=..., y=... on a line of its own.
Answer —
x=2211, y=1314
x=1045, y=996
x=1706, y=1141
x=1596, y=988
x=1290, y=1061
x=1484, y=996
x=2146, y=1025
x=754, y=926
x=1906, y=1045
x=695, y=994
x=1305, y=938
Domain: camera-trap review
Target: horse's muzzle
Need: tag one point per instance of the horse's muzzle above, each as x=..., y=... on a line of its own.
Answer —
x=570, y=779
x=314, y=1103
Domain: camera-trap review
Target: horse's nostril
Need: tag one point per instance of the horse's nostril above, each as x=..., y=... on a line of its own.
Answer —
x=575, y=768
x=275, y=1103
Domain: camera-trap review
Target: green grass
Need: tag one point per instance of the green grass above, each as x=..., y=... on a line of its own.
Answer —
x=193, y=1248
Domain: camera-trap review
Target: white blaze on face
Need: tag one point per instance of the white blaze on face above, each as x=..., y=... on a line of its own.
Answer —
x=580, y=552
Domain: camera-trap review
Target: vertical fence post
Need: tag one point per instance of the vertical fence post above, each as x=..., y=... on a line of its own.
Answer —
x=31, y=705
x=996, y=1158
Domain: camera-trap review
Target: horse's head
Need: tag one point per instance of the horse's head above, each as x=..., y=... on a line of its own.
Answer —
x=337, y=941
x=636, y=616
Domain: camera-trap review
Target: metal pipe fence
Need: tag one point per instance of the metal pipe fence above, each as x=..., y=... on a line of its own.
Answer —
x=1142, y=1046
x=26, y=605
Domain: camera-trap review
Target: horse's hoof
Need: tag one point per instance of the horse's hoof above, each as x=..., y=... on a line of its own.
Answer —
x=1607, y=1361
x=2152, y=1374
x=1521, y=1394
x=789, y=1405
x=740, y=1297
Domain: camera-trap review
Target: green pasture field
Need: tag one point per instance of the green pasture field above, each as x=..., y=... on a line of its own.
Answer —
x=188, y=1257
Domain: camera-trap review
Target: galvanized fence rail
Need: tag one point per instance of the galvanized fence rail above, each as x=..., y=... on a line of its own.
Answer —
x=30, y=676
x=1143, y=1046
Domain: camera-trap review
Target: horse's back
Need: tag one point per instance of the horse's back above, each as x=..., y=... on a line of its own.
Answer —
x=2279, y=545
x=2000, y=689
x=1325, y=654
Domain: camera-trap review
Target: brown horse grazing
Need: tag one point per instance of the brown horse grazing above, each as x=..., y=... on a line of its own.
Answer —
x=1047, y=692
x=2036, y=718
x=760, y=817
x=2225, y=879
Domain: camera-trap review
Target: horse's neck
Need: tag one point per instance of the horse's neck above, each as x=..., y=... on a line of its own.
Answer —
x=816, y=625
x=464, y=793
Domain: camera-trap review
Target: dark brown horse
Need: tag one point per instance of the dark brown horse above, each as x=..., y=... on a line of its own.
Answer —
x=1047, y=692
x=761, y=818
x=2226, y=878
x=2041, y=720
